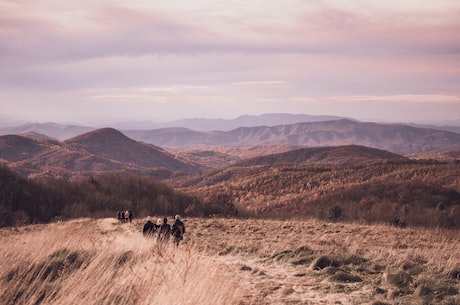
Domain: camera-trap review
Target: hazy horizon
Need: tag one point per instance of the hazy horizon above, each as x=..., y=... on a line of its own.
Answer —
x=116, y=60
x=142, y=124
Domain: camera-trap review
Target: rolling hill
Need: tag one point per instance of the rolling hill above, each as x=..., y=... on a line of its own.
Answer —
x=452, y=154
x=345, y=182
x=101, y=150
x=15, y=148
x=339, y=155
x=111, y=144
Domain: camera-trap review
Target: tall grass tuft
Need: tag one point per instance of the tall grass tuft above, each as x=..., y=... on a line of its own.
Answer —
x=78, y=262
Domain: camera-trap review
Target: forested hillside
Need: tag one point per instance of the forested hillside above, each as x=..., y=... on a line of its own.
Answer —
x=387, y=188
x=28, y=201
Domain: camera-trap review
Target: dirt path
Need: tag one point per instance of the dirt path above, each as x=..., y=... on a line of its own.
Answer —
x=281, y=283
x=269, y=261
x=289, y=262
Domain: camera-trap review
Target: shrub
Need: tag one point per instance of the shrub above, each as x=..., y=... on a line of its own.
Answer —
x=334, y=213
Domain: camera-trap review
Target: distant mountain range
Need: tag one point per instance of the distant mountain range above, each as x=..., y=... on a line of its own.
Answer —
x=268, y=129
x=268, y=119
x=396, y=138
x=50, y=130
x=65, y=131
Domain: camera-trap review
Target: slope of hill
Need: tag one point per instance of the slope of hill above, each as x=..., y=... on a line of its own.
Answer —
x=15, y=148
x=442, y=155
x=38, y=136
x=293, y=160
x=348, y=183
x=169, y=135
x=401, y=139
x=53, y=130
x=455, y=127
x=113, y=145
x=26, y=201
x=339, y=156
x=229, y=261
x=223, y=156
x=100, y=150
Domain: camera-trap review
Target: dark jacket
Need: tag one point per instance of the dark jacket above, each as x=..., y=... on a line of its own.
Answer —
x=178, y=229
x=149, y=227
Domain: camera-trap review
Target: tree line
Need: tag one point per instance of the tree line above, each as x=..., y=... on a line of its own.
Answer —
x=399, y=192
x=24, y=201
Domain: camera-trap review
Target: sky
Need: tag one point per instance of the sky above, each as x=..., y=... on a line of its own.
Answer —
x=105, y=61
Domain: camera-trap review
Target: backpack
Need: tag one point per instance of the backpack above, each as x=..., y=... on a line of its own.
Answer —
x=178, y=228
x=148, y=228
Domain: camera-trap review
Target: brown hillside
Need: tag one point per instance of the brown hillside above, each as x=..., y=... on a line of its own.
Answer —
x=381, y=188
x=223, y=156
x=38, y=136
x=340, y=155
x=182, y=136
x=208, y=158
x=111, y=144
x=442, y=155
x=97, y=151
x=15, y=148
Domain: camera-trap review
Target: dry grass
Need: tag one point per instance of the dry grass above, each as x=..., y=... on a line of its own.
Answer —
x=229, y=261
x=101, y=262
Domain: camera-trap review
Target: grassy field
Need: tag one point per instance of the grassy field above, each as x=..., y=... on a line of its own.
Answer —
x=229, y=261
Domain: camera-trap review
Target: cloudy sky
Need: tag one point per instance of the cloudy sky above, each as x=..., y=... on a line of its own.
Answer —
x=117, y=60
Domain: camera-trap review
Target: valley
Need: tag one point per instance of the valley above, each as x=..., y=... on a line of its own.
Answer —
x=272, y=179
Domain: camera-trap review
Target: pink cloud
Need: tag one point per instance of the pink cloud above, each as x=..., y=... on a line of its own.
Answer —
x=245, y=54
x=115, y=31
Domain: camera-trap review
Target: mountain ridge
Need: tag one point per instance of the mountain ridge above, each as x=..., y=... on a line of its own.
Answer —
x=62, y=131
x=396, y=138
x=337, y=155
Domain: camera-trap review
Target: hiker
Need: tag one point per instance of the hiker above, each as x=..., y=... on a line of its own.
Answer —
x=177, y=230
x=130, y=216
x=149, y=227
x=119, y=216
x=165, y=230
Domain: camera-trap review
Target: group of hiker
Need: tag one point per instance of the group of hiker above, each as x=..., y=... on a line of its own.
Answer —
x=124, y=216
x=163, y=230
